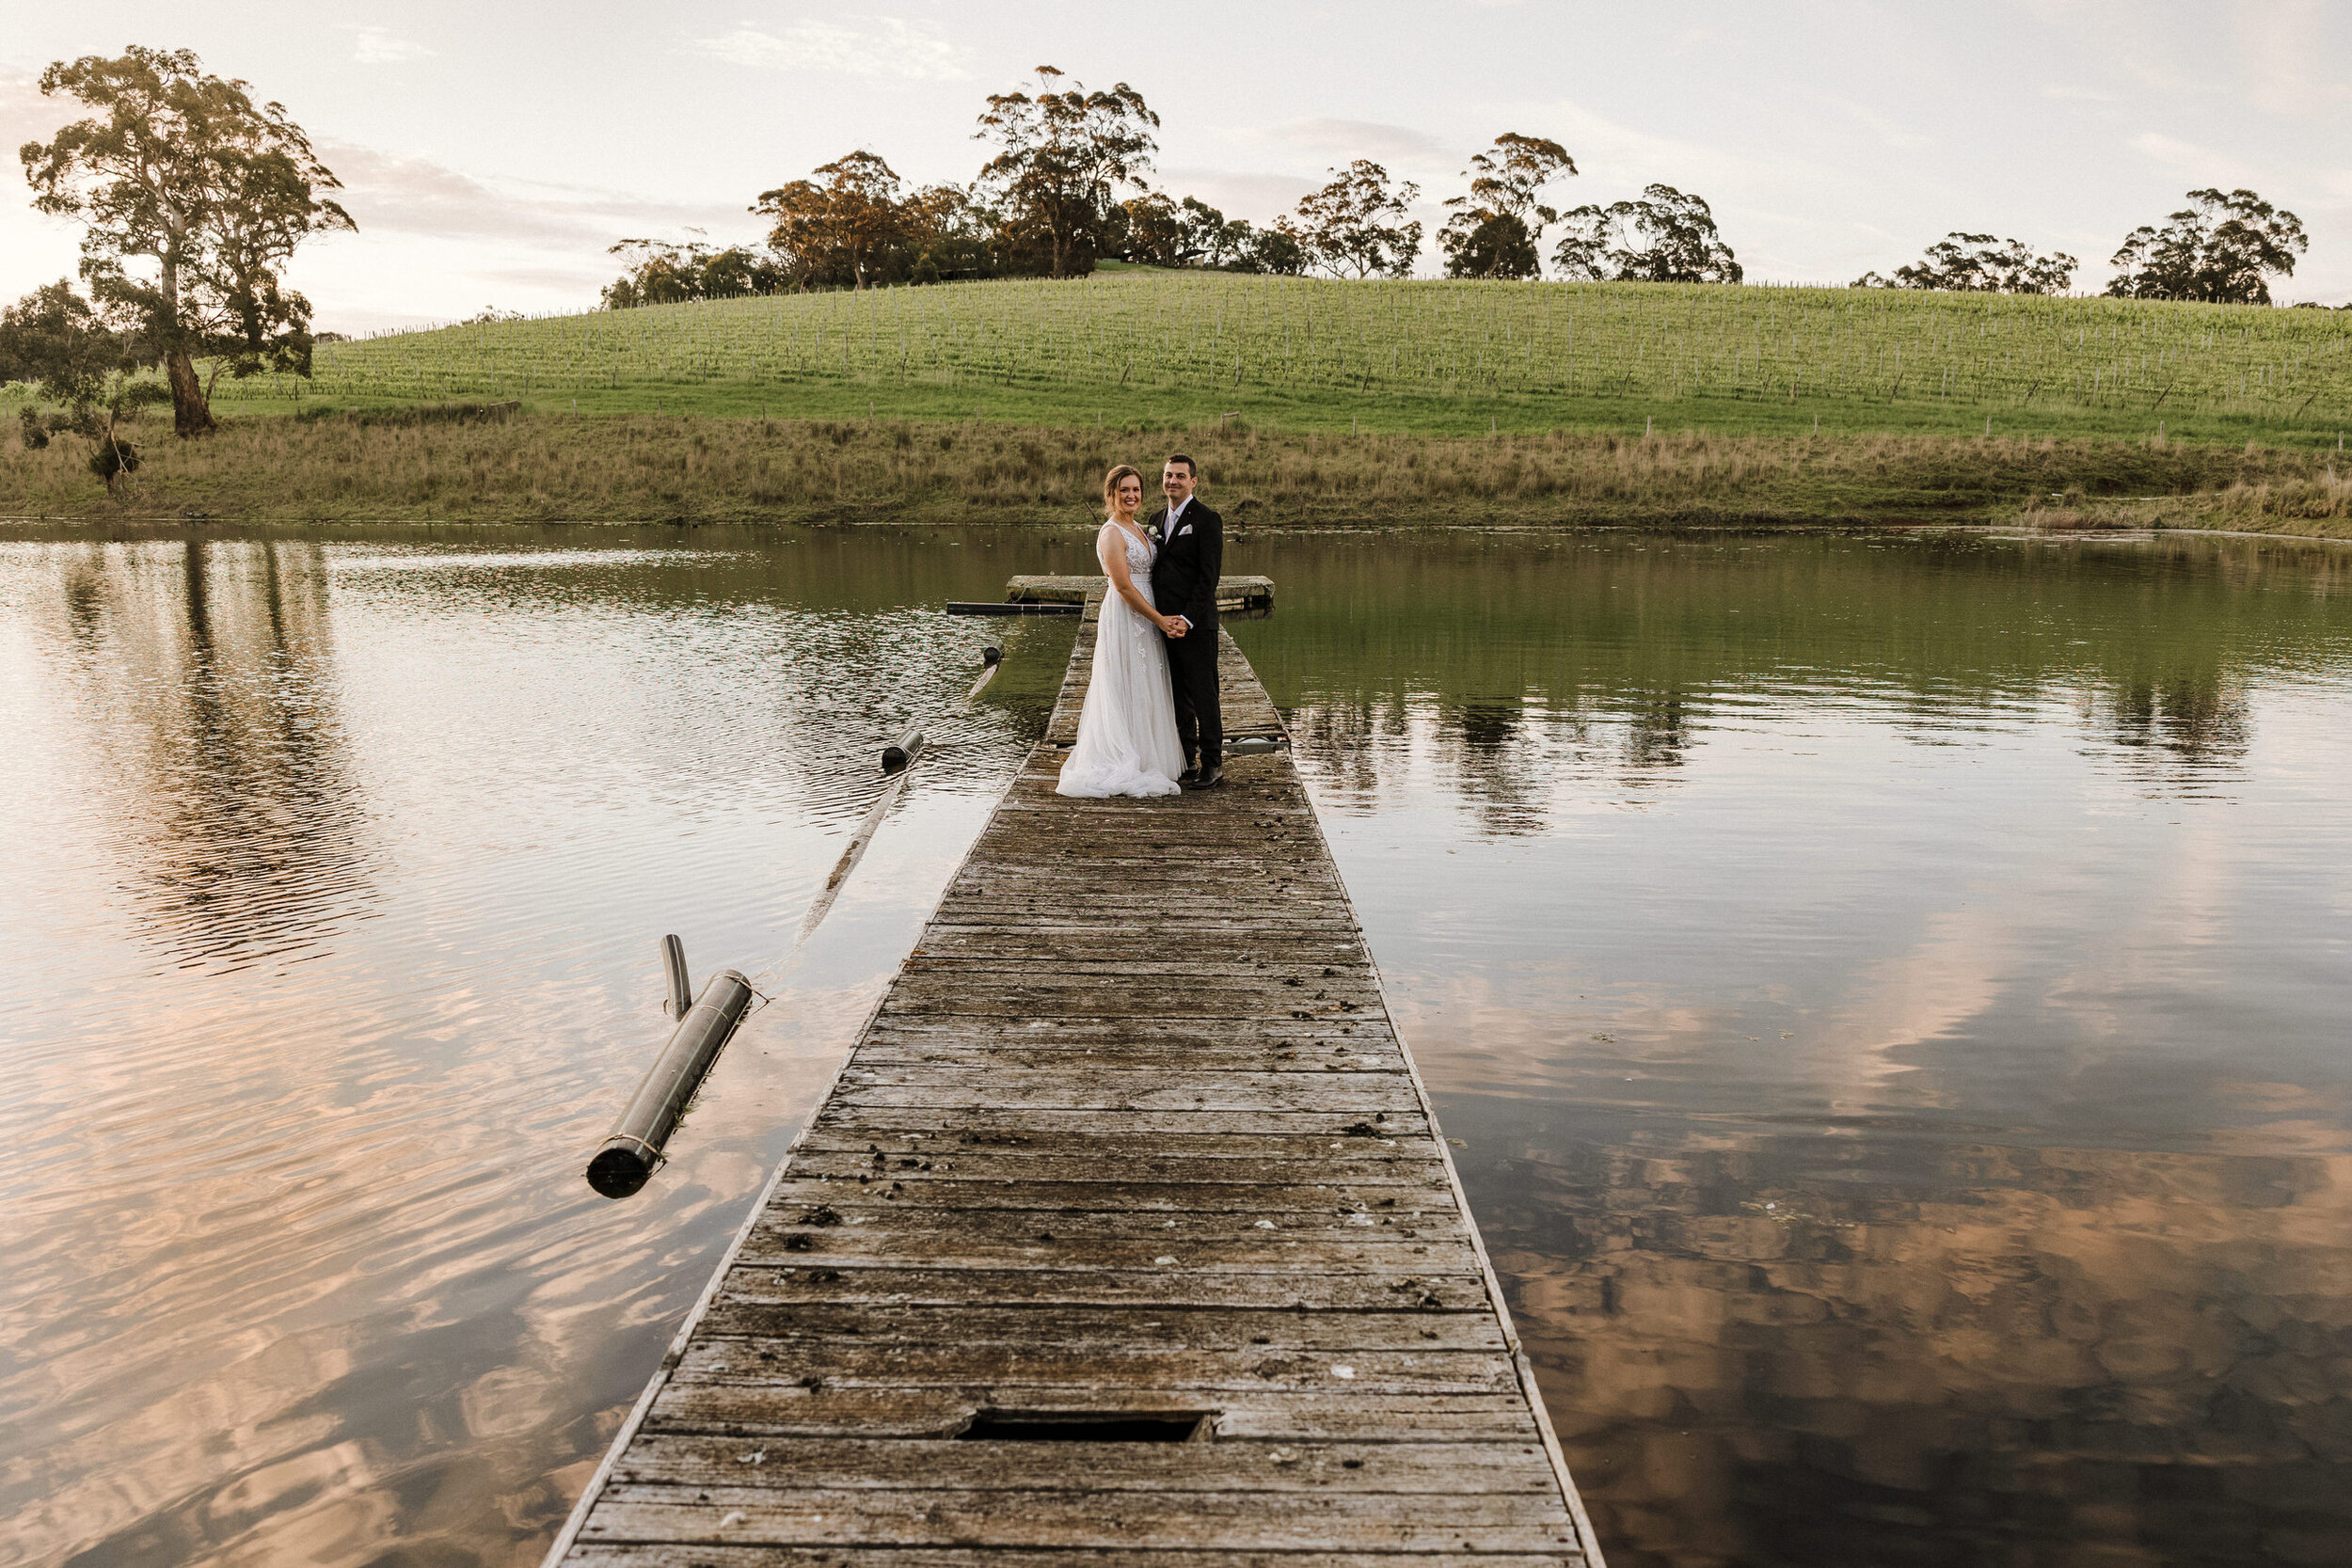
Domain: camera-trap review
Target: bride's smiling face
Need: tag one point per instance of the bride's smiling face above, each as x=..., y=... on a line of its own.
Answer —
x=1128, y=495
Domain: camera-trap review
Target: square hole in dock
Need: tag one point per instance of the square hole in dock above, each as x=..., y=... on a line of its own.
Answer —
x=1091, y=1426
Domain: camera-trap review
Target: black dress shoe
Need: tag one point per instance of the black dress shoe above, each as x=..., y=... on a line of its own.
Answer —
x=1188, y=776
x=1210, y=780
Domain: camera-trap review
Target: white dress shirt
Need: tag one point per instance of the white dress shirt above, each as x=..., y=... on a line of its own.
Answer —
x=1167, y=532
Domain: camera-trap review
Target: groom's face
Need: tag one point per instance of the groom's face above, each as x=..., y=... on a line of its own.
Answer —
x=1176, y=483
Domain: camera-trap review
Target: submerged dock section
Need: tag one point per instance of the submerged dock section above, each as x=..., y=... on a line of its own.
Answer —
x=1124, y=1239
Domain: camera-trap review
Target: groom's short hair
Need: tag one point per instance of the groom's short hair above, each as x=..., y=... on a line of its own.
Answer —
x=1190, y=466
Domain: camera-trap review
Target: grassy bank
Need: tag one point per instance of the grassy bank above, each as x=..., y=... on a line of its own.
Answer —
x=1141, y=348
x=454, y=465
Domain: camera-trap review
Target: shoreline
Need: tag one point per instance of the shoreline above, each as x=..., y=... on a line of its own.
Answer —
x=462, y=466
x=165, y=524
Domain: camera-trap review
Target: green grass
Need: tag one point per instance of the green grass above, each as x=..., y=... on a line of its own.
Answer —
x=1139, y=348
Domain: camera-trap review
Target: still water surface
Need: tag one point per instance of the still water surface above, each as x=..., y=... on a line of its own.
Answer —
x=1890, y=991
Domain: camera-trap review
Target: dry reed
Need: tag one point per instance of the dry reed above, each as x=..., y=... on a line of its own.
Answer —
x=700, y=469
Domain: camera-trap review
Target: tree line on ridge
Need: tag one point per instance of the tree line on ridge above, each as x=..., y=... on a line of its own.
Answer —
x=193, y=198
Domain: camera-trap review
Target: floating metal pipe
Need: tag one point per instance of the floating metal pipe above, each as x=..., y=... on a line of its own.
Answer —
x=902, y=750
x=992, y=655
x=634, y=1148
x=680, y=993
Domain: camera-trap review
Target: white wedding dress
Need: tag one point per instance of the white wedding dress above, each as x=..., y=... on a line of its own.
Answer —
x=1127, y=728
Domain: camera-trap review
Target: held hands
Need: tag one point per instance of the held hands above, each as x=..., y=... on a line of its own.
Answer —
x=1173, y=626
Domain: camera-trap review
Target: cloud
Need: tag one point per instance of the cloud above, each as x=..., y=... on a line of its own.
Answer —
x=2066, y=93
x=2198, y=165
x=1893, y=133
x=24, y=114
x=378, y=46
x=553, y=280
x=2276, y=42
x=887, y=47
x=1259, y=197
x=1634, y=157
x=389, y=194
x=1350, y=140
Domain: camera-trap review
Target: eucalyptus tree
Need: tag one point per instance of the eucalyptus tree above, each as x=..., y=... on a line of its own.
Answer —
x=1666, y=237
x=1358, y=226
x=2219, y=247
x=1209, y=239
x=950, y=233
x=1979, y=263
x=840, y=225
x=1062, y=158
x=1495, y=230
x=192, y=198
x=55, y=341
x=664, y=272
x=1279, y=248
x=1155, y=230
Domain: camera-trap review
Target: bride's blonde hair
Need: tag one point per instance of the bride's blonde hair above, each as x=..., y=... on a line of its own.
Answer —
x=1110, y=480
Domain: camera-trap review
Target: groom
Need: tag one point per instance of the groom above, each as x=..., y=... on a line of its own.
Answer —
x=1183, y=585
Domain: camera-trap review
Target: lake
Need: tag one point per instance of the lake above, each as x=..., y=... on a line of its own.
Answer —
x=1888, y=991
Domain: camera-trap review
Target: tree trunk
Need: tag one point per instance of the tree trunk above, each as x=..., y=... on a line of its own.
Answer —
x=191, y=412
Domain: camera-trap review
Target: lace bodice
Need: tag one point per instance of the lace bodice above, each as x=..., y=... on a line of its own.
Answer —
x=1139, y=550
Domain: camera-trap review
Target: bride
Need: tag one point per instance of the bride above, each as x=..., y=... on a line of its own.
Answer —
x=1127, y=728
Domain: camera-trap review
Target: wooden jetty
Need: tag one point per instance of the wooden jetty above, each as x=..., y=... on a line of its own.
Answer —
x=1125, y=1237
x=1235, y=595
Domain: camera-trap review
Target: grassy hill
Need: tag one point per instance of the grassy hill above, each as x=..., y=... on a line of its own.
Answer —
x=1136, y=348
x=1534, y=405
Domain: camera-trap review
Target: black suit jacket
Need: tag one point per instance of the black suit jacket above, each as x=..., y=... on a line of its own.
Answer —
x=1185, y=574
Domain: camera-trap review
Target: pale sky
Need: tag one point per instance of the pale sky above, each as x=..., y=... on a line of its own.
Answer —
x=493, y=151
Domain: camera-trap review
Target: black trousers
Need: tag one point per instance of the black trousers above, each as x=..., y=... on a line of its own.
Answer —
x=1199, y=721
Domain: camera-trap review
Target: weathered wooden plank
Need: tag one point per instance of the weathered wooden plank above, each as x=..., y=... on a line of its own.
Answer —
x=1335, y=1090
x=778, y=1328
x=1265, y=1055
x=1334, y=1161
x=1056, y=587
x=941, y=1036
x=1307, y=1289
x=1183, y=1369
x=1230, y=1004
x=792, y=1410
x=1223, y=1259
x=1102, y=1078
x=1394, y=1243
x=1082, y=1156
x=1041, y=1246
x=955, y=1128
x=668, y=1555
x=1080, y=1516
x=1077, y=966
x=1167, y=1198
x=1389, y=1469
x=1183, y=1167
x=1198, y=949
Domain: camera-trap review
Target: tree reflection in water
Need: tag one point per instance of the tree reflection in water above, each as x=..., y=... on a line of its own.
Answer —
x=239, y=826
x=1891, y=993
x=1909, y=1132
